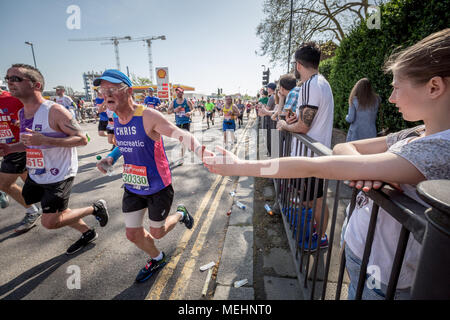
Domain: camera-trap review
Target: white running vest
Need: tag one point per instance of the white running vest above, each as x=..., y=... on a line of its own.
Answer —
x=48, y=164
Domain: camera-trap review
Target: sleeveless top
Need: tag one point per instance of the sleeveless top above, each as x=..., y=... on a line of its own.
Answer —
x=146, y=168
x=47, y=164
x=180, y=117
x=226, y=110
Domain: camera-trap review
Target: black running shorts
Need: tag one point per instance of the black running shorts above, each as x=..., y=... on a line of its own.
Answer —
x=158, y=204
x=184, y=126
x=14, y=163
x=102, y=125
x=54, y=197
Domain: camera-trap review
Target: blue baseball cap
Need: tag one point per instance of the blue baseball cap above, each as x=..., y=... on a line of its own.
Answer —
x=113, y=76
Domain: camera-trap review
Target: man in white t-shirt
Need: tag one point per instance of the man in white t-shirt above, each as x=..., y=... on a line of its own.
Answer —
x=313, y=117
x=65, y=101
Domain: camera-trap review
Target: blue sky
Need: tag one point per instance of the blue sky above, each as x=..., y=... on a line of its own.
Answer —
x=209, y=44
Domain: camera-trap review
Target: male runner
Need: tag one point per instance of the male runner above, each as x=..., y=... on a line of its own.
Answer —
x=14, y=165
x=151, y=101
x=147, y=176
x=209, y=106
x=49, y=135
x=182, y=108
x=230, y=111
x=241, y=108
x=103, y=117
x=65, y=101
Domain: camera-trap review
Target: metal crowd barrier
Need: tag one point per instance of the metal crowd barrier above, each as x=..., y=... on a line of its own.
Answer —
x=429, y=226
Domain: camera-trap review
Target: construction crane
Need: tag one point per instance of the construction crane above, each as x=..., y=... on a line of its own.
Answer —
x=113, y=40
x=149, y=40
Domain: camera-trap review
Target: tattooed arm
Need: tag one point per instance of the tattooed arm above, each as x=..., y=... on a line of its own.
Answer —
x=61, y=120
x=304, y=121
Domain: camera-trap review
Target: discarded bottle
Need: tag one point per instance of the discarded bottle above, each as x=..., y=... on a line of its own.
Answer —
x=88, y=137
x=240, y=205
x=108, y=168
x=268, y=209
x=232, y=193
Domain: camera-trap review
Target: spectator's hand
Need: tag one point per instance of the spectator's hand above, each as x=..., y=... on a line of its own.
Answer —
x=281, y=124
x=274, y=116
x=222, y=163
x=108, y=161
x=367, y=185
x=188, y=114
x=291, y=118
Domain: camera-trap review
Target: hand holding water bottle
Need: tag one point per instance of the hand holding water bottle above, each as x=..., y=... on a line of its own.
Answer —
x=105, y=166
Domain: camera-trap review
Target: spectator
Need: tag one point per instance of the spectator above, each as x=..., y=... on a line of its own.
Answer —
x=362, y=113
x=288, y=95
x=313, y=117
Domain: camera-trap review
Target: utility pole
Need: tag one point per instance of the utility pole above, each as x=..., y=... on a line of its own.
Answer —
x=32, y=51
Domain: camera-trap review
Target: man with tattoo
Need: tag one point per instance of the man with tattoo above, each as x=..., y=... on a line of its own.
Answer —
x=49, y=135
x=313, y=117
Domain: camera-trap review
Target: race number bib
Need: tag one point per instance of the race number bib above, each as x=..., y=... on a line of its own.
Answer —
x=181, y=113
x=35, y=161
x=6, y=134
x=135, y=176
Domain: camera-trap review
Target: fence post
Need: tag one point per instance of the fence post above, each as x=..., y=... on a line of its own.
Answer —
x=432, y=279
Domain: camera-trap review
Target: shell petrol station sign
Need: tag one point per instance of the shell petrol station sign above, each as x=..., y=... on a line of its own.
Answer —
x=162, y=82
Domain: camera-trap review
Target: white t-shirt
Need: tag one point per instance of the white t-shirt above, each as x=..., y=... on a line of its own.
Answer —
x=431, y=156
x=65, y=101
x=316, y=92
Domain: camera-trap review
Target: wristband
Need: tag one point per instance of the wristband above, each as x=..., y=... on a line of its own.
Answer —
x=115, y=154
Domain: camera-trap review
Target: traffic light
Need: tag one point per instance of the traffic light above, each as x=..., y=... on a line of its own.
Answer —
x=266, y=75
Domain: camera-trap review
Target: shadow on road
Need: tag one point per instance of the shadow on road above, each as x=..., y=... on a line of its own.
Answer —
x=137, y=291
x=25, y=283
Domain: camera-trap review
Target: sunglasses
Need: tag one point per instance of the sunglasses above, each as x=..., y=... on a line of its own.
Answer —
x=16, y=79
x=106, y=91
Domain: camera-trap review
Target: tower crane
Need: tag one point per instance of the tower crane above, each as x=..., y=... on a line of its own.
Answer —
x=112, y=40
x=148, y=40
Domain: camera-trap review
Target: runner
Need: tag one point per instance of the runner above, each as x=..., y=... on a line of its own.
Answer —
x=201, y=106
x=103, y=117
x=110, y=127
x=241, y=108
x=14, y=165
x=65, y=101
x=182, y=109
x=209, y=106
x=147, y=177
x=230, y=111
x=49, y=134
x=248, y=109
x=151, y=101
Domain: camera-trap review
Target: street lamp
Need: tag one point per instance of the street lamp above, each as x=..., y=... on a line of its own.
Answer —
x=32, y=50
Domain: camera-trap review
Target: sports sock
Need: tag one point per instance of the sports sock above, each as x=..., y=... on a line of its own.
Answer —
x=32, y=209
x=158, y=258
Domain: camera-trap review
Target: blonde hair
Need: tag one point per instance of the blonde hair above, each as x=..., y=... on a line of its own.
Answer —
x=424, y=60
x=363, y=91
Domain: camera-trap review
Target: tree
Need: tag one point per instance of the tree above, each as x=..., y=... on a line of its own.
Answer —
x=319, y=20
x=140, y=81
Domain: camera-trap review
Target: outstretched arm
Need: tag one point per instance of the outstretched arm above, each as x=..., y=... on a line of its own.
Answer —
x=385, y=166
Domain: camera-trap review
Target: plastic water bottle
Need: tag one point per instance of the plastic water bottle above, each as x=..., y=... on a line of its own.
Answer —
x=109, y=169
x=232, y=193
x=240, y=205
x=268, y=209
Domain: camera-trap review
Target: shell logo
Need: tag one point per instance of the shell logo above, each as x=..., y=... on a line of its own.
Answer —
x=161, y=73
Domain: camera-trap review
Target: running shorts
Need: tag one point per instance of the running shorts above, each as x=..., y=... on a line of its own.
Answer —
x=14, y=163
x=229, y=125
x=54, y=197
x=184, y=126
x=102, y=125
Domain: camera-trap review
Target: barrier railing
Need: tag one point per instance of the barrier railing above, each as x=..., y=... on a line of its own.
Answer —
x=429, y=226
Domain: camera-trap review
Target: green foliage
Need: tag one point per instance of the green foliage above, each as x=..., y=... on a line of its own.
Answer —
x=325, y=67
x=363, y=53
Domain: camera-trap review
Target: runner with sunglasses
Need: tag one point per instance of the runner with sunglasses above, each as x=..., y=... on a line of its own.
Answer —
x=49, y=135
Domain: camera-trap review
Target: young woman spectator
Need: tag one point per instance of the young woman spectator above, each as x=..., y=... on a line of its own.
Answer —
x=362, y=112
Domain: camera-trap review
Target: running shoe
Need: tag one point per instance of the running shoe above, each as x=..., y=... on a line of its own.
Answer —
x=188, y=220
x=4, y=200
x=315, y=237
x=152, y=265
x=29, y=221
x=85, y=239
x=101, y=212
